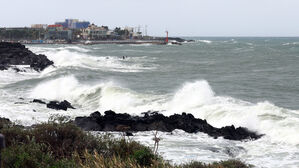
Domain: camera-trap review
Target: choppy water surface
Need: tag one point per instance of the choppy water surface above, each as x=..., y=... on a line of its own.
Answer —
x=251, y=82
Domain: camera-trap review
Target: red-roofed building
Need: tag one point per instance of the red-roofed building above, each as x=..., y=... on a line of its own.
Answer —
x=55, y=25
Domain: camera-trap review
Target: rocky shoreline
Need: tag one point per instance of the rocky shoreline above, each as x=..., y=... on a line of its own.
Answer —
x=154, y=121
x=150, y=121
x=13, y=54
x=56, y=105
x=112, y=121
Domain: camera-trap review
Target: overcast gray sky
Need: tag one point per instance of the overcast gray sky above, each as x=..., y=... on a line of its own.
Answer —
x=179, y=17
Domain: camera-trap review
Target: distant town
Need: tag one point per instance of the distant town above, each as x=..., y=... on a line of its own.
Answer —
x=75, y=31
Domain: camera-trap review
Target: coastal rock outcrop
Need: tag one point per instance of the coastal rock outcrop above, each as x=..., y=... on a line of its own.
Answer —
x=4, y=121
x=38, y=101
x=156, y=121
x=64, y=105
x=12, y=54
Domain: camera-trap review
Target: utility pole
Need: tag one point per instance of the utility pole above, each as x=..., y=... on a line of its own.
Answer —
x=145, y=30
x=166, y=40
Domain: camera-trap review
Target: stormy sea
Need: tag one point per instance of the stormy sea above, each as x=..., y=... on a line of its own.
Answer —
x=248, y=82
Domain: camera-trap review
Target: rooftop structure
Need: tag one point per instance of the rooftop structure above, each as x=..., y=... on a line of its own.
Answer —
x=74, y=24
x=39, y=26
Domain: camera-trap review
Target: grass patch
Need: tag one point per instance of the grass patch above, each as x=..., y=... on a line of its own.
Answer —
x=61, y=144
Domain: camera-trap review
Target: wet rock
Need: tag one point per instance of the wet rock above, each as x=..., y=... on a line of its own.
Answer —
x=64, y=105
x=3, y=67
x=38, y=101
x=4, y=121
x=129, y=134
x=17, y=54
x=20, y=103
x=112, y=121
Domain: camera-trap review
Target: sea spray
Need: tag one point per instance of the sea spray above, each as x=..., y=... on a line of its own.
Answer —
x=252, y=87
x=76, y=58
x=190, y=96
x=196, y=98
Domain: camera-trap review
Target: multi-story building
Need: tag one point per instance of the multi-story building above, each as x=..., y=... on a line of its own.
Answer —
x=80, y=25
x=57, y=32
x=73, y=24
x=93, y=32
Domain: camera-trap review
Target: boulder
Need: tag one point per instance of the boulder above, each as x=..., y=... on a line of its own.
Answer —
x=64, y=105
x=38, y=101
x=112, y=121
x=17, y=54
x=4, y=122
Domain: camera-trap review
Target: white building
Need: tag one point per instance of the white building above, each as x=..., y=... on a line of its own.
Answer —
x=94, y=32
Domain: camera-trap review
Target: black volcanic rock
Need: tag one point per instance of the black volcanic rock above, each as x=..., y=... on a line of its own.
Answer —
x=38, y=101
x=155, y=121
x=17, y=54
x=4, y=121
x=64, y=105
x=2, y=67
x=177, y=39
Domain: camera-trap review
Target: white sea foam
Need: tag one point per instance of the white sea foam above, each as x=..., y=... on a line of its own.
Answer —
x=67, y=58
x=68, y=88
x=51, y=48
x=190, y=96
x=103, y=96
x=141, y=45
x=181, y=147
x=205, y=41
x=198, y=98
x=293, y=43
x=26, y=113
x=278, y=148
x=279, y=125
x=125, y=100
x=11, y=76
x=77, y=48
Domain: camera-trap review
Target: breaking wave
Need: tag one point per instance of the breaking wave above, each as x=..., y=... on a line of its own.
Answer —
x=74, y=56
x=204, y=41
x=198, y=98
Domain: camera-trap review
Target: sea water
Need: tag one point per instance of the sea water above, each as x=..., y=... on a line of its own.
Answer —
x=249, y=82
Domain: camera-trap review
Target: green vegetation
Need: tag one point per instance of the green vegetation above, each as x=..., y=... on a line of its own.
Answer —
x=121, y=32
x=21, y=33
x=58, y=144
